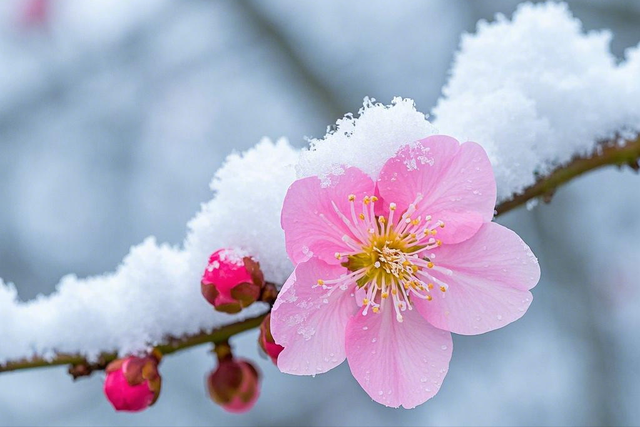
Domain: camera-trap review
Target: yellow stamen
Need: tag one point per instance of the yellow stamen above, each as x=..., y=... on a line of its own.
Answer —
x=374, y=199
x=352, y=197
x=430, y=264
x=443, y=289
x=429, y=297
x=320, y=282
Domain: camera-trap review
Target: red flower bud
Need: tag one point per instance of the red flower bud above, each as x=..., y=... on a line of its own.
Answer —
x=231, y=282
x=234, y=385
x=133, y=383
x=266, y=341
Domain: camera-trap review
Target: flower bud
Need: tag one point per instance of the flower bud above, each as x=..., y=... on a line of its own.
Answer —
x=234, y=385
x=133, y=383
x=231, y=281
x=266, y=341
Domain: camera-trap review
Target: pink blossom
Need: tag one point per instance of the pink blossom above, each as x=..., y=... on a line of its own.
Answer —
x=132, y=384
x=387, y=269
x=231, y=281
x=234, y=385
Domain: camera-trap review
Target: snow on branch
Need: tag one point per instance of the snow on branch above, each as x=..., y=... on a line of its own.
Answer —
x=539, y=94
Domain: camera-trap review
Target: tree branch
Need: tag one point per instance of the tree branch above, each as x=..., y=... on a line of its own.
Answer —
x=608, y=153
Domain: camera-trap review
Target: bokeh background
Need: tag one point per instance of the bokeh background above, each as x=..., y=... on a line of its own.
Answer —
x=114, y=115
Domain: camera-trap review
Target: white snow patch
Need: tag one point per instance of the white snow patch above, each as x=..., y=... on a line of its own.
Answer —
x=155, y=292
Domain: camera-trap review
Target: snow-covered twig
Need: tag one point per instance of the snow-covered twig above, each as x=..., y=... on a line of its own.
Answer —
x=619, y=153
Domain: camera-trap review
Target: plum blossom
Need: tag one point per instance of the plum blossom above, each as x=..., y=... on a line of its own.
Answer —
x=388, y=266
x=231, y=281
x=133, y=383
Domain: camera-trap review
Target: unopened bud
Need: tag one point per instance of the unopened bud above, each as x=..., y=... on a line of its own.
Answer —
x=234, y=385
x=266, y=341
x=133, y=383
x=231, y=281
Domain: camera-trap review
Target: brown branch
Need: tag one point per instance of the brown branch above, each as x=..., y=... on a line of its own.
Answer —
x=609, y=153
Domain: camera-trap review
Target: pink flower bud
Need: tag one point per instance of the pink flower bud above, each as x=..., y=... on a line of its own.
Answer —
x=234, y=385
x=133, y=383
x=266, y=341
x=231, y=281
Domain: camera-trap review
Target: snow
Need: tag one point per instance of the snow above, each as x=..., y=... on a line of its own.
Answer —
x=534, y=91
x=155, y=292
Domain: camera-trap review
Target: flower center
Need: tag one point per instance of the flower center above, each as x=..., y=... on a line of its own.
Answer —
x=389, y=258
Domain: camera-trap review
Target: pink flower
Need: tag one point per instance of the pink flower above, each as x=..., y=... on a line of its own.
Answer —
x=133, y=384
x=385, y=270
x=266, y=341
x=234, y=385
x=231, y=281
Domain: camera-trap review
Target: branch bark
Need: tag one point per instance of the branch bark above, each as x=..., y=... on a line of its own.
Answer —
x=609, y=153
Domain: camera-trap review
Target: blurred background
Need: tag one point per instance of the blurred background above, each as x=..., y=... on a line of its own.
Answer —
x=115, y=114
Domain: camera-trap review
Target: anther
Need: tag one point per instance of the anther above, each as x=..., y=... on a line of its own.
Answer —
x=382, y=220
x=385, y=295
x=392, y=206
x=365, y=301
x=352, y=197
x=375, y=309
x=443, y=289
x=430, y=264
x=429, y=297
x=366, y=200
x=374, y=199
x=320, y=282
x=439, y=242
x=430, y=286
x=338, y=255
x=361, y=216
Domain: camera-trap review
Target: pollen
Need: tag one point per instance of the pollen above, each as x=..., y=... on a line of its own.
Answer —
x=375, y=309
x=365, y=301
x=385, y=295
x=429, y=297
x=374, y=199
x=443, y=289
x=430, y=264
x=366, y=200
x=361, y=216
x=439, y=242
x=320, y=282
x=430, y=286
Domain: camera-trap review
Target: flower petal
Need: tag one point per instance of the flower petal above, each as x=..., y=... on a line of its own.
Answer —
x=397, y=363
x=492, y=273
x=456, y=182
x=308, y=201
x=309, y=323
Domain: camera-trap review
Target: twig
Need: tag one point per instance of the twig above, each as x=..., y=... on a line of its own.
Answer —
x=610, y=153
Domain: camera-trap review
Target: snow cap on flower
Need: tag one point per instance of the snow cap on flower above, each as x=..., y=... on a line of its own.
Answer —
x=234, y=385
x=231, y=281
x=388, y=266
x=133, y=383
x=266, y=341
